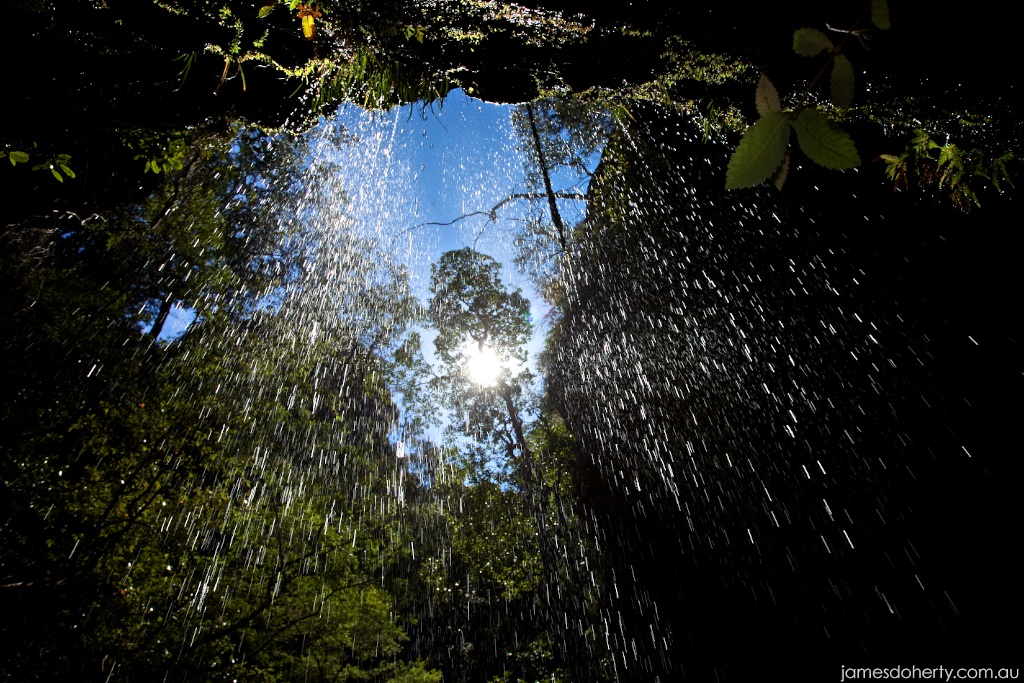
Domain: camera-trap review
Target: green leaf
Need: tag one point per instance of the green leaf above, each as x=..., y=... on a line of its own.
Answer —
x=779, y=177
x=880, y=14
x=67, y=171
x=18, y=158
x=767, y=97
x=265, y=10
x=825, y=143
x=808, y=42
x=948, y=152
x=759, y=153
x=951, y=158
x=56, y=175
x=842, y=82
x=999, y=174
x=895, y=166
x=923, y=143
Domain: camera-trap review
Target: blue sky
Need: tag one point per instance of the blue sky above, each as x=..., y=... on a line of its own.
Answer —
x=413, y=166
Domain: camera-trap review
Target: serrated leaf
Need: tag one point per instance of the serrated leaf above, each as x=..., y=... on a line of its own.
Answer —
x=265, y=10
x=759, y=153
x=767, y=97
x=18, y=158
x=56, y=175
x=922, y=144
x=880, y=14
x=808, y=42
x=948, y=152
x=779, y=177
x=842, y=82
x=896, y=168
x=825, y=143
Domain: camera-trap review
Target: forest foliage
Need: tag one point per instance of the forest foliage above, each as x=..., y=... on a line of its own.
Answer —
x=157, y=514
x=195, y=485
x=234, y=497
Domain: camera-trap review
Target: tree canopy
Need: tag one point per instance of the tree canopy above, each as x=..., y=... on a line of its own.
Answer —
x=470, y=304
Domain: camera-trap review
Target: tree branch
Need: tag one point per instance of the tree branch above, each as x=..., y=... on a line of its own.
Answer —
x=556, y=217
x=492, y=213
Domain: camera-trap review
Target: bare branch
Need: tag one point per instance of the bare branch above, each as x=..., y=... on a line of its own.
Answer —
x=492, y=214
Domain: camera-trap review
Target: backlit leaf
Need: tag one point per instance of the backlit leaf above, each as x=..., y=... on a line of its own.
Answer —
x=842, y=82
x=767, y=97
x=948, y=152
x=759, y=153
x=923, y=143
x=824, y=142
x=308, y=29
x=808, y=42
x=265, y=10
x=779, y=177
x=880, y=14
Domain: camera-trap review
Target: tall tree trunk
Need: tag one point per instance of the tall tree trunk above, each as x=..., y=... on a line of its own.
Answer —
x=556, y=217
x=538, y=505
x=161, y=317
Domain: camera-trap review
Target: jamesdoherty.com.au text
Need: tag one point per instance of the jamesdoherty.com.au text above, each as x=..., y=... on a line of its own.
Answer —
x=937, y=673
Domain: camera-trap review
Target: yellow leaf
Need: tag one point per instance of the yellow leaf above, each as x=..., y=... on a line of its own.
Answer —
x=308, y=29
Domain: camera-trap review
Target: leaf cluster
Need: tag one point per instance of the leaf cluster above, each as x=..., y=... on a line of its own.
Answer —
x=948, y=167
x=375, y=80
x=161, y=152
x=763, y=150
x=59, y=165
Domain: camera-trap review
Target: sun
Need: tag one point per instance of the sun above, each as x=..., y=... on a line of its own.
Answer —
x=483, y=364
